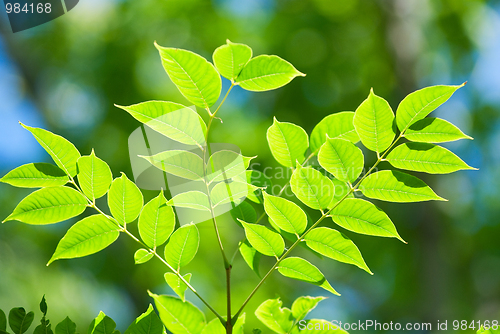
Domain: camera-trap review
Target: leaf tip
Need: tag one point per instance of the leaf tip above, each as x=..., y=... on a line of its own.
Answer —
x=463, y=84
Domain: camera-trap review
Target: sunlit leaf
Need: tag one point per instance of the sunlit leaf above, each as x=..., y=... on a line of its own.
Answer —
x=341, y=189
x=191, y=199
x=288, y=143
x=311, y=187
x=182, y=246
x=180, y=163
x=102, y=325
x=146, y=323
x=156, y=222
x=250, y=255
x=342, y=159
x=264, y=240
x=142, y=256
x=226, y=164
x=36, y=175
x=19, y=320
x=177, y=284
x=66, y=327
x=214, y=327
x=303, y=305
x=94, y=176
x=230, y=192
x=125, y=200
x=286, y=215
x=434, y=130
x=244, y=211
x=257, y=178
x=278, y=319
x=339, y=125
x=230, y=58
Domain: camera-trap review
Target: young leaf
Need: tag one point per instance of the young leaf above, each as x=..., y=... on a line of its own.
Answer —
x=335, y=245
x=102, y=325
x=193, y=75
x=264, y=73
x=146, y=323
x=182, y=246
x=230, y=192
x=214, y=327
x=177, y=284
x=434, y=130
x=191, y=199
x=244, y=211
x=363, y=217
x=179, y=317
x=373, y=121
x=225, y=164
x=342, y=159
x=428, y=158
x=250, y=255
x=44, y=327
x=3, y=321
x=94, y=176
x=142, y=256
x=421, y=103
x=278, y=319
x=156, y=222
x=36, y=175
x=124, y=200
x=43, y=306
x=303, y=305
x=311, y=187
x=172, y=120
x=302, y=270
x=339, y=125
x=48, y=206
x=185, y=164
x=286, y=215
x=66, y=327
x=230, y=58
x=395, y=186
x=90, y=235
x=19, y=320
x=288, y=143
x=61, y=150
x=264, y=240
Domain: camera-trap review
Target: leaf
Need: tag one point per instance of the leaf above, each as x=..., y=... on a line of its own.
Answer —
x=66, y=327
x=276, y=318
x=193, y=75
x=335, y=245
x=179, y=317
x=182, y=246
x=250, y=255
x=36, y=175
x=257, y=178
x=172, y=120
x=102, y=325
x=90, y=235
x=428, y=158
x=156, y=222
x=320, y=326
x=373, y=121
x=230, y=192
x=342, y=159
x=3, y=321
x=61, y=150
x=19, y=320
x=264, y=240
x=490, y=330
x=311, y=187
x=396, y=186
x=363, y=217
x=146, y=323
x=124, y=200
x=434, y=130
x=288, y=143
x=302, y=270
x=185, y=164
x=48, y=206
x=44, y=327
x=285, y=214
x=177, y=284
x=421, y=103
x=339, y=125
x=238, y=326
x=142, y=256
x=226, y=164
x=43, y=306
x=244, y=211
x=341, y=189
x=303, y=305
x=230, y=58
x=264, y=73
x=191, y=199
x=214, y=327
x=94, y=176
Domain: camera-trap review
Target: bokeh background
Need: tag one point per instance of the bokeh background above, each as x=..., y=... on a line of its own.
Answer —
x=67, y=74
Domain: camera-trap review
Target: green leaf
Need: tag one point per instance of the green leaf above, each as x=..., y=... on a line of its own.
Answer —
x=177, y=284
x=288, y=143
x=374, y=123
x=363, y=217
x=285, y=214
x=302, y=270
x=90, y=235
x=185, y=164
x=43, y=306
x=94, y=176
x=396, y=186
x=61, y=150
x=193, y=75
x=179, y=317
x=226, y=164
x=264, y=240
x=244, y=211
x=335, y=245
x=230, y=192
x=36, y=175
x=434, y=130
x=276, y=318
x=482, y=330
x=49, y=205
x=44, y=327
x=214, y=327
x=19, y=320
x=66, y=327
x=250, y=255
x=230, y=58
x=339, y=125
x=303, y=305
x=182, y=246
x=102, y=325
x=172, y=120
x=428, y=158
x=421, y=103
x=319, y=326
x=142, y=256
x=3, y=321
x=191, y=199
x=124, y=200
x=341, y=189
x=257, y=178
x=146, y=323
x=342, y=159
x=156, y=222
x=264, y=73
x=311, y=187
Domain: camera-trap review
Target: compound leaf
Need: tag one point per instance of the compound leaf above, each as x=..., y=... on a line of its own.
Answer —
x=177, y=284
x=156, y=222
x=185, y=164
x=146, y=323
x=434, y=130
x=311, y=187
x=36, y=175
x=191, y=199
x=285, y=214
x=179, y=317
x=94, y=176
x=288, y=143
x=19, y=320
x=264, y=240
x=339, y=125
x=278, y=319
x=66, y=327
x=125, y=200
x=230, y=58
x=342, y=159
x=303, y=305
x=182, y=246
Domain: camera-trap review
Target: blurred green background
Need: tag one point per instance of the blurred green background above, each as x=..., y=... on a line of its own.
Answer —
x=67, y=74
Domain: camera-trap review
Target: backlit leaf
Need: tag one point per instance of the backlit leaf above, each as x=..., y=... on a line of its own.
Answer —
x=285, y=214
x=250, y=255
x=339, y=125
x=226, y=164
x=264, y=240
x=288, y=143
x=142, y=256
x=342, y=159
x=182, y=246
x=191, y=199
x=278, y=319
x=102, y=325
x=94, y=176
x=177, y=284
x=230, y=58
x=146, y=323
x=434, y=130
x=230, y=192
x=303, y=305
x=36, y=175
x=245, y=212
x=156, y=222
x=180, y=163
x=311, y=187
x=125, y=200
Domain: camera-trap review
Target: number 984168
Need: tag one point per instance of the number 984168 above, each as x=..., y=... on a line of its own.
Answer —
x=32, y=8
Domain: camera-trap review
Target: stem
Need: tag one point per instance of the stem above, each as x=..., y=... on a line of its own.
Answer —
x=229, y=323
